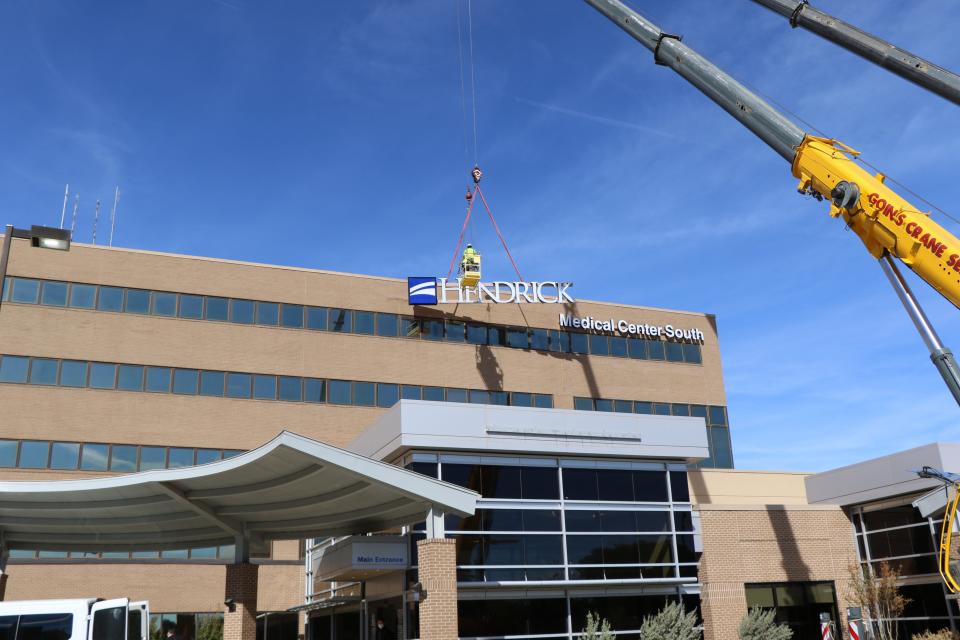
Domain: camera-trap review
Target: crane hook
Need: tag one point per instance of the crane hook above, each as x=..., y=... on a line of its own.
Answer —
x=477, y=174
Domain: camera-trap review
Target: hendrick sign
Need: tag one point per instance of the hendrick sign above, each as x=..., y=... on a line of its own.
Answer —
x=427, y=291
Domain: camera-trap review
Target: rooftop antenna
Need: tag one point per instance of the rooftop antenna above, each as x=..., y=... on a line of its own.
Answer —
x=63, y=211
x=73, y=223
x=113, y=214
x=96, y=218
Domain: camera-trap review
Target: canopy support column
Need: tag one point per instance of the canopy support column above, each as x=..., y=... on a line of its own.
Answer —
x=437, y=567
x=4, y=557
x=240, y=595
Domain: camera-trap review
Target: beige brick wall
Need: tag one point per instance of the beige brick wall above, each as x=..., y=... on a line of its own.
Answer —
x=240, y=619
x=438, y=578
x=772, y=543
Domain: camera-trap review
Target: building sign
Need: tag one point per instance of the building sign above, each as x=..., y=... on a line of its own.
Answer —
x=428, y=291
x=655, y=332
x=380, y=555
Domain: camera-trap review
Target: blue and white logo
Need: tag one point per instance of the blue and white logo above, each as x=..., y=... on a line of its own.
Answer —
x=422, y=290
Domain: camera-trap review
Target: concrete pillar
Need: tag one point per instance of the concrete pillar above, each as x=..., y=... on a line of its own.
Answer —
x=437, y=567
x=240, y=616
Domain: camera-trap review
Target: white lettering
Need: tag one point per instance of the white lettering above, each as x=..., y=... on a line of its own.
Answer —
x=566, y=320
x=523, y=291
x=562, y=295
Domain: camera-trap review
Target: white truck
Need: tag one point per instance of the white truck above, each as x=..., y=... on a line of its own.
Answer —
x=75, y=619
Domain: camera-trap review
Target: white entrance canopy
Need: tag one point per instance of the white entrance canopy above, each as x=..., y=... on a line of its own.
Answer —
x=290, y=488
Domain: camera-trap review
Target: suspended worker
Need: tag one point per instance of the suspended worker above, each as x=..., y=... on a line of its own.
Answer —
x=470, y=267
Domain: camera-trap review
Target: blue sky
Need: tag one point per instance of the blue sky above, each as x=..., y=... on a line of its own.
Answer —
x=330, y=135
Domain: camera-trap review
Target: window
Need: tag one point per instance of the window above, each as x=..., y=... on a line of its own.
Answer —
x=43, y=371
x=33, y=454
x=691, y=353
x=103, y=375
x=387, y=394
x=717, y=416
x=543, y=400
x=93, y=457
x=317, y=318
x=411, y=392
x=314, y=390
x=290, y=388
x=456, y=331
x=238, y=385
x=409, y=327
x=152, y=458
x=363, y=394
x=674, y=352
x=109, y=624
x=216, y=309
x=205, y=456
x=123, y=458
x=679, y=488
x=130, y=378
x=341, y=320
x=655, y=349
x=661, y=408
x=363, y=322
x=431, y=329
x=185, y=381
x=456, y=395
x=539, y=339
x=65, y=455
x=179, y=457
x=387, y=324
x=212, y=383
x=637, y=349
x=583, y=404
x=191, y=307
x=291, y=316
x=110, y=299
x=241, y=311
x=479, y=396
x=82, y=296
x=47, y=626
x=518, y=338
x=797, y=604
x=264, y=387
x=338, y=392
x=136, y=301
x=476, y=334
x=26, y=291
x=54, y=294
x=578, y=343
x=163, y=304
x=622, y=406
x=268, y=313
x=618, y=347
x=603, y=405
x=599, y=345
x=158, y=379
x=559, y=341
x=14, y=369
x=8, y=453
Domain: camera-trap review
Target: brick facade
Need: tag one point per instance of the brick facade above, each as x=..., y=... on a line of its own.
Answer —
x=768, y=544
x=241, y=587
x=438, y=579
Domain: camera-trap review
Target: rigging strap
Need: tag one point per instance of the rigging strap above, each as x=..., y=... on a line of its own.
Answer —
x=463, y=230
x=497, y=229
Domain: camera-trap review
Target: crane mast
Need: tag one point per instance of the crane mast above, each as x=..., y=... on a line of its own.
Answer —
x=907, y=65
x=887, y=224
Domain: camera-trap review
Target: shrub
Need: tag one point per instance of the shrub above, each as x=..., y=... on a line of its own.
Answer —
x=942, y=634
x=597, y=629
x=759, y=625
x=673, y=622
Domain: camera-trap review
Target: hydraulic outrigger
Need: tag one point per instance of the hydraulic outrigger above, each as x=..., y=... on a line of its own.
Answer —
x=887, y=224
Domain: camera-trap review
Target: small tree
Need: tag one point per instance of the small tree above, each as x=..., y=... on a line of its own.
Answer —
x=672, y=622
x=878, y=595
x=759, y=625
x=597, y=629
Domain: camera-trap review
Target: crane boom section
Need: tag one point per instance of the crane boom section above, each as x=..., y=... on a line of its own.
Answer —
x=884, y=221
x=868, y=46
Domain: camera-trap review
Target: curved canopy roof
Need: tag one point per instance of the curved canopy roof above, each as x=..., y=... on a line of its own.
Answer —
x=290, y=488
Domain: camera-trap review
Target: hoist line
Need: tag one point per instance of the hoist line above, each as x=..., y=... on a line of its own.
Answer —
x=473, y=82
x=463, y=229
x=463, y=91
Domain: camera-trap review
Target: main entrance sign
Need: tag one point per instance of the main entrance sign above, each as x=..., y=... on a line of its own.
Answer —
x=429, y=291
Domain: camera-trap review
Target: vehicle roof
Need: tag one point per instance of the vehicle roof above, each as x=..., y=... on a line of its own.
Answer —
x=11, y=606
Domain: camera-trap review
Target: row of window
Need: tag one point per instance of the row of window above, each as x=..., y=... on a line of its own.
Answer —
x=87, y=456
x=296, y=316
x=587, y=520
x=714, y=415
x=543, y=483
x=224, y=553
x=129, y=377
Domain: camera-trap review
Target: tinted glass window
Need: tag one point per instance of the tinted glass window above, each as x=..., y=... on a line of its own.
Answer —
x=456, y=395
x=637, y=349
x=691, y=353
x=33, y=455
x=720, y=443
x=431, y=329
x=290, y=388
x=578, y=343
x=661, y=408
x=717, y=416
x=207, y=455
x=479, y=396
x=409, y=327
x=599, y=345
x=212, y=383
x=136, y=301
x=655, y=349
x=268, y=313
x=476, y=334
x=456, y=331
x=130, y=378
x=387, y=394
x=191, y=307
x=464, y=475
x=623, y=406
x=54, y=294
x=540, y=483
x=618, y=347
x=501, y=481
x=363, y=394
x=674, y=352
x=643, y=407
x=433, y=393
x=158, y=379
x=291, y=315
x=110, y=299
x=5, y=293
x=539, y=339
x=123, y=458
x=65, y=455
x=94, y=457
x=179, y=457
x=338, y=392
x=683, y=520
x=601, y=404
x=216, y=308
x=43, y=371
x=14, y=369
x=387, y=324
x=185, y=381
x=24, y=290
x=164, y=304
x=501, y=398
x=679, y=487
x=238, y=385
x=152, y=458
x=583, y=404
x=241, y=311
x=109, y=624
x=681, y=409
x=650, y=486
x=47, y=626
x=541, y=520
x=317, y=318
x=411, y=392
x=519, y=399
x=102, y=375
x=314, y=390
x=8, y=624
x=543, y=401
x=615, y=485
x=579, y=484
x=341, y=320
x=8, y=453
x=265, y=387
x=518, y=338
x=82, y=296
x=363, y=322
